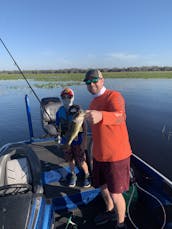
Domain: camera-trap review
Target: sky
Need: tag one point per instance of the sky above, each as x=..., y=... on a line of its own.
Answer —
x=58, y=34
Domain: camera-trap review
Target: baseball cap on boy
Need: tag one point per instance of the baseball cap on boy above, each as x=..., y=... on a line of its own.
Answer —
x=67, y=92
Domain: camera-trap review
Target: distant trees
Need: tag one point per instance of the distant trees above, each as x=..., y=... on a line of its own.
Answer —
x=77, y=70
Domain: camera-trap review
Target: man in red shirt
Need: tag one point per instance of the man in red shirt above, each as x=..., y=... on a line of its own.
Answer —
x=111, y=147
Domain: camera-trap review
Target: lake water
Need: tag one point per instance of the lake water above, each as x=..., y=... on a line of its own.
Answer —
x=148, y=106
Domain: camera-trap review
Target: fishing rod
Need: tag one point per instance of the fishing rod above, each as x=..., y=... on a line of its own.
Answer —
x=20, y=70
x=25, y=78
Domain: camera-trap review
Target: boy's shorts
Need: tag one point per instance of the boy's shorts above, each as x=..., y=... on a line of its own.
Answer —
x=75, y=153
x=116, y=175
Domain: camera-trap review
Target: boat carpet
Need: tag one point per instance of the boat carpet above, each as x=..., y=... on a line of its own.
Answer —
x=52, y=160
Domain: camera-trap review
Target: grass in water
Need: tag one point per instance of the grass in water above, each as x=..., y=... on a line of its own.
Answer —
x=79, y=76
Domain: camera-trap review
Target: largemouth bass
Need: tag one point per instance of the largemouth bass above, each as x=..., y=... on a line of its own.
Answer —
x=75, y=126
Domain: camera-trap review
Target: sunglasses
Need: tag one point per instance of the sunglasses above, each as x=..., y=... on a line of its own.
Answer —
x=94, y=80
x=66, y=96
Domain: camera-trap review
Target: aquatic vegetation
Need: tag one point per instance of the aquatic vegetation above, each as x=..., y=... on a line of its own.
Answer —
x=71, y=77
x=56, y=84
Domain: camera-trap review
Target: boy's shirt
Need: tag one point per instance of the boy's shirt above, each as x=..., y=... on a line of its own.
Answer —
x=63, y=118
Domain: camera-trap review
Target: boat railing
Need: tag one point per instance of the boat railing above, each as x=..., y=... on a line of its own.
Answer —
x=29, y=118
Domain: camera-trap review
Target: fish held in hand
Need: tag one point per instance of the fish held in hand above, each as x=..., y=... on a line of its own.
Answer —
x=75, y=126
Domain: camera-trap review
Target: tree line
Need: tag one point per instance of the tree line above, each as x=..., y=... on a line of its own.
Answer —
x=77, y=70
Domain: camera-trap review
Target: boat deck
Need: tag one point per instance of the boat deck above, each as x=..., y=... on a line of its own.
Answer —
x=51, y=158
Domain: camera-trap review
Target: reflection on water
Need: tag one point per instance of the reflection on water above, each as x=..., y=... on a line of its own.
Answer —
x=148, y=106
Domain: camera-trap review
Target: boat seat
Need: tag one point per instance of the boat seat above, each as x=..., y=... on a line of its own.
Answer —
x=3, y=161
x=15, y=172
x=49, y=107
x=18, y=172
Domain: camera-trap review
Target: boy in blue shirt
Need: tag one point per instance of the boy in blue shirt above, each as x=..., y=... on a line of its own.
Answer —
x=76, y=152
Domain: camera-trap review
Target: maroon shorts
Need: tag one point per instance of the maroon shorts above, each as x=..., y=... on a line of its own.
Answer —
x=116, y=175
x=75, y=153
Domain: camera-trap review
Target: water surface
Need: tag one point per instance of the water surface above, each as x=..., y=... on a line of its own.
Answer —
x=148, y=106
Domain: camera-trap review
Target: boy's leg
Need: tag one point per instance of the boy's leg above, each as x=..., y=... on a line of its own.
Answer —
x=80, y=157
x=69, y=158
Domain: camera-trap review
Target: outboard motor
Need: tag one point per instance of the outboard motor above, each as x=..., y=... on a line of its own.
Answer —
x=49, y=107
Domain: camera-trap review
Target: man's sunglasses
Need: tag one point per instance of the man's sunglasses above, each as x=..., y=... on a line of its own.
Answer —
x=94, y=80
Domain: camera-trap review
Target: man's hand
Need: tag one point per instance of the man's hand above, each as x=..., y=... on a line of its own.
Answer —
x=93, y=116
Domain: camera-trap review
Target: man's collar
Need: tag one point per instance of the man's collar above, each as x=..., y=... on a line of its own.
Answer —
x=101, y=92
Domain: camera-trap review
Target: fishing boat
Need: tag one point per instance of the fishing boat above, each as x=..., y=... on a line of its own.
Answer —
x=34, y=193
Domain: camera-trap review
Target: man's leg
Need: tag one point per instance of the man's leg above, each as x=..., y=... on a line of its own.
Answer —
x=107, y=198
x=109, y=214
x=120, y=206
x=115, y=201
